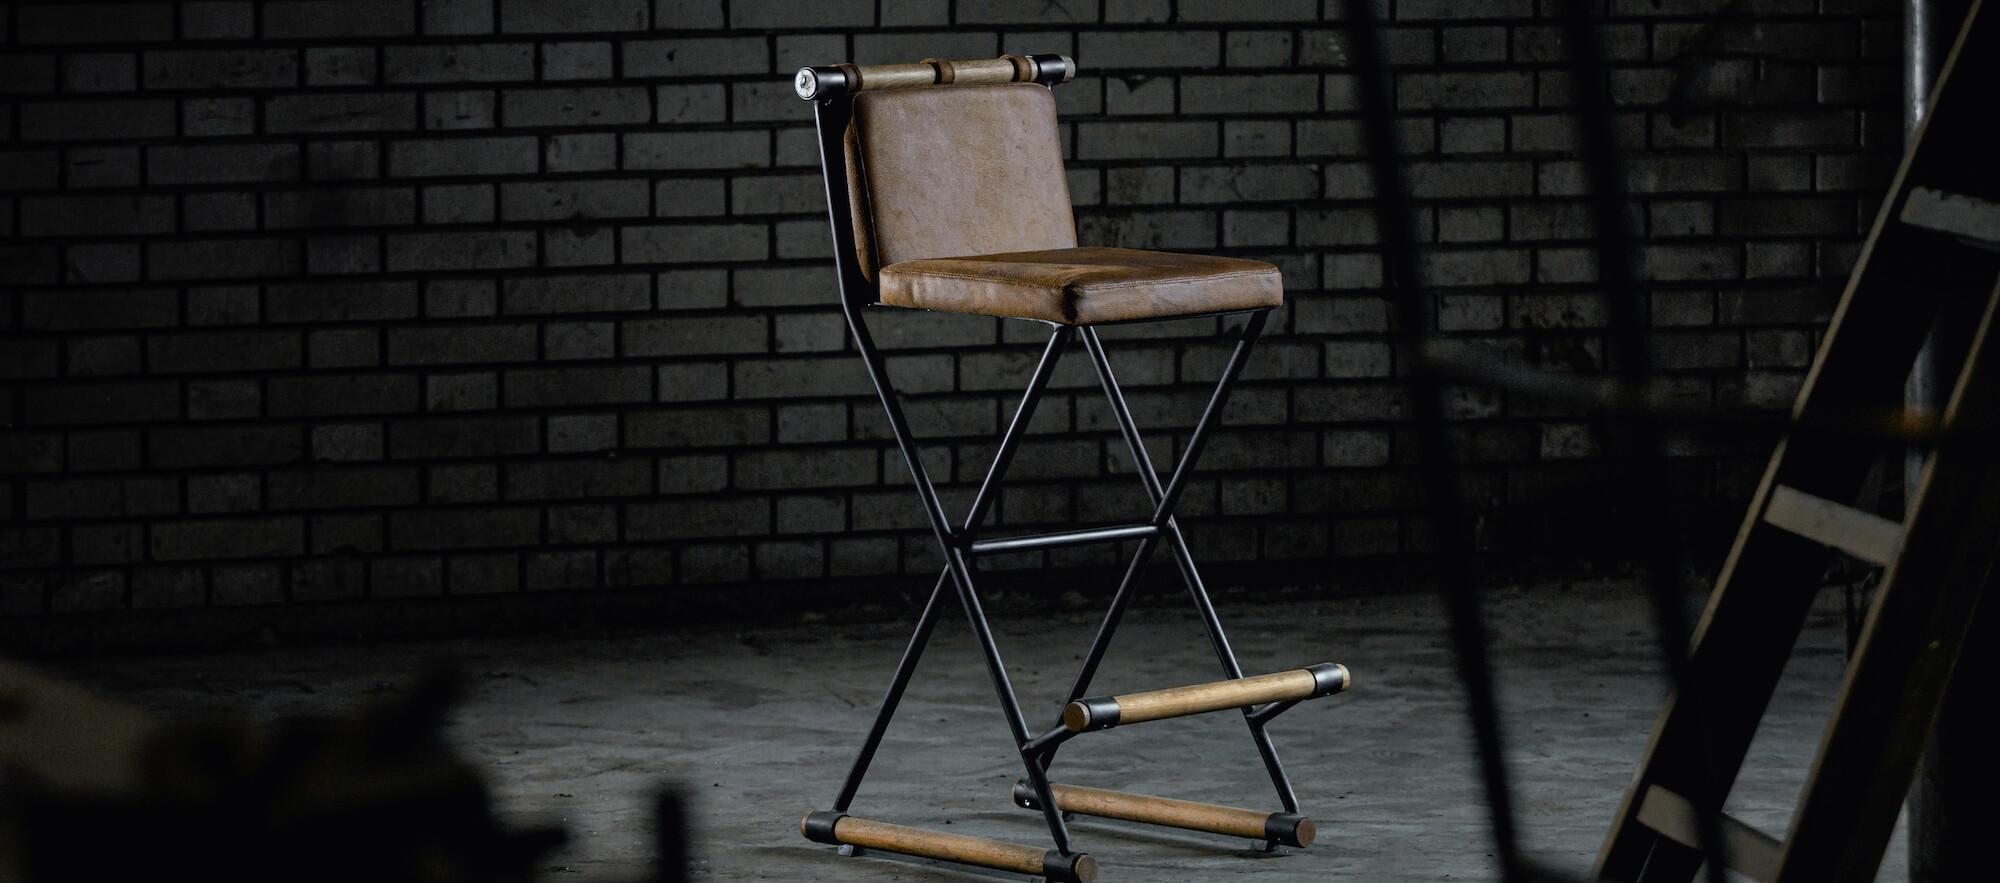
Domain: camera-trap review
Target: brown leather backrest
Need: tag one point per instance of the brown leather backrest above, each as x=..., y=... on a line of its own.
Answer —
x=951, y=171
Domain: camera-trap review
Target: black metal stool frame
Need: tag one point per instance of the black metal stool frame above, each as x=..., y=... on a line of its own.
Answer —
x=832, y=115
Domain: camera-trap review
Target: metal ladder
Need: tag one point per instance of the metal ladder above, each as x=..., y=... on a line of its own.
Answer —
x=1933, y=243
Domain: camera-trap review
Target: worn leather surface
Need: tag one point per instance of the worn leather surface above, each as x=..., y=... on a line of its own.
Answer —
x=955, y=170
x=1083, y=286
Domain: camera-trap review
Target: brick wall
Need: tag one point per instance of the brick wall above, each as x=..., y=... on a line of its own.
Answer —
x=325, y=301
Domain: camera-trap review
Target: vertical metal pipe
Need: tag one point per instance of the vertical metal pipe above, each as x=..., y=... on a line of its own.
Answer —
x=1920, y=391
x=1957, y=769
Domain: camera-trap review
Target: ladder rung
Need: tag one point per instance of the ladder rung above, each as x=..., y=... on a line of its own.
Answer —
x=1290, y=829
x=1065, y=538
x=840, y=828
x=1954, y=213
x=1311, y=682
x=1744, y=849
x=1864, y=535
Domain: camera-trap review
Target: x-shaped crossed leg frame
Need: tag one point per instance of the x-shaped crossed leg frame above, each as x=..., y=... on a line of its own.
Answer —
x=1260, y=698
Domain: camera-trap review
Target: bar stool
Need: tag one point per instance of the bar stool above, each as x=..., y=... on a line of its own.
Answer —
x=946, y=192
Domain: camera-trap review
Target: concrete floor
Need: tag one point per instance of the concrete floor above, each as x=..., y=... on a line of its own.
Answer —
x=758, y=726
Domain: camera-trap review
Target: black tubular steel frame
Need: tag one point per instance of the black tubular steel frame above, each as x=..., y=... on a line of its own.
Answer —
x=833, y=113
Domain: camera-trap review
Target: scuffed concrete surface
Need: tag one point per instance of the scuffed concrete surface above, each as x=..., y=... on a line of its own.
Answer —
x=758, y=726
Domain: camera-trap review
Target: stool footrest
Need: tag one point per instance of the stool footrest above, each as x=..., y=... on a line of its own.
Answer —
x=1290, y=829
x=843, y=829
x=1104, y=712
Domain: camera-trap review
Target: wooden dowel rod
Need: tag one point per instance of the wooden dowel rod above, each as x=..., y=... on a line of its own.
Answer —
x=896, y=76
x=1288, y=828
x=962, y=848
x=1089, y=714
x=814, y=83
x=983, y=70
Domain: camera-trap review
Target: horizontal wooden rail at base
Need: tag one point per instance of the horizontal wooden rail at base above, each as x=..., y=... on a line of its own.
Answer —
x=841, y=829
x=1957, y=214
x=1311, y=682
x=1864, y=535
x=1745, y=850
x=1290, y=829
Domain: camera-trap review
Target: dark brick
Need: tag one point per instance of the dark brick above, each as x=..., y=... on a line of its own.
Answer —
x=222, y=69
x=342, y=487
x=427, y=529
x=228, y=538
x=694, y=243
x=121, y=120
x=464, y=156
x=96, y=215
x=577, y=294
x=573, y=200
x=443, y=345
x=697, y=56
x=348, y=207
x=699, y=427
x=562, y=16
x=1268, y=93
x=592, y=106
x=826, y=14
x=221, y=258
x=176, y=448
x=223, y=351
x=56, y=404
x=341, y=112
x=309, y=19
x=697, y=150
x=464, y=437
x=405, y=577
x=95, y=23
x=697, y=518
x=459, y=63
x=222, y=163
x=342, y=301
x=694, y=336
x=578, y=386
x=563, y=479
x=331, y=394
x=461, y=251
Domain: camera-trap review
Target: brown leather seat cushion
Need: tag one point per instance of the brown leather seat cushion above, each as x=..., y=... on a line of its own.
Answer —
x=1083, y=286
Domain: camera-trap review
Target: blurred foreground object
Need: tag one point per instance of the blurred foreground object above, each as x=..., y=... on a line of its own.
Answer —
x=92, y=789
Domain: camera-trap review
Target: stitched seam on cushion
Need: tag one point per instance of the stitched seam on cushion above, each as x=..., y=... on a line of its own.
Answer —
x=1006, y=281
x=1181, y=281
x=943, y=275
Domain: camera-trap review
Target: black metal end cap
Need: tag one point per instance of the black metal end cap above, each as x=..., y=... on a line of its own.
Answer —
x=1024, y=795
x=818, y=826
x=1289, y=828
x=1330, y=678
x=1073, y=868
x=1087, y=715
x=812, y=83
x=1051, y=70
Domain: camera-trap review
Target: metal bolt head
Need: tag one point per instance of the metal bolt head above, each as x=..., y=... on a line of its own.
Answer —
x=805, y=83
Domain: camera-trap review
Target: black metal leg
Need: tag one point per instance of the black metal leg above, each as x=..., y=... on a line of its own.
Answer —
x=1010, y=441
x=959, y=549
x=1164, y=499
x=897, y=684
x=953, y=543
